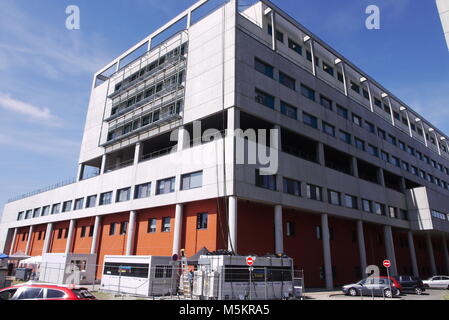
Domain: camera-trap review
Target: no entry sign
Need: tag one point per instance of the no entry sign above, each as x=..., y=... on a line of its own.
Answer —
x=250, y=261
x=387, y=263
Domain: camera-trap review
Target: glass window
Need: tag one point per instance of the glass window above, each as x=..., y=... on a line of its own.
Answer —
x=366, y=205
x=91, y=201
x=79, y=204
x=264, y=98
x=359, y=144
x=152, y=225
x=393, y=212
x=142, y=191
x=307, y=92
x=345, y=137
x=328, y=69
x=20, y=216
x=395, y=161
x=112, y=229
x=356, y=119
x=328, y=129
x=310, y=120
x=287, y=81
x=123, y=194
x=350, y=201
x=385, y=156
x=290, y=229
x=166, y=224
x=45, y=211
x=123, y=227
x=289, y=110
x=55, y=294
x=355, y=87
x=192, y=180
x=391, y=139
x=201, y=221
x=166, y=186
x=263, y=67
x=56, y=208
x=379, y=208
x=326, y=102
x=294, y=46
x=370, y=127
x=342, y=112
x=36, y=212
x=31, y=293
x=67, y=206
x=292, y=187
x=266, y=181
x=334, y=197
x=105, y=198
x=314, y=192
x=372, y=150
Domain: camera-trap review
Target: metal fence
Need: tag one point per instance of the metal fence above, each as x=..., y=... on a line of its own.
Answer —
x=175, y=282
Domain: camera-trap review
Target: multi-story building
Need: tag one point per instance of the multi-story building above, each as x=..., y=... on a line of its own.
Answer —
x=361, y=176
x=443, y=10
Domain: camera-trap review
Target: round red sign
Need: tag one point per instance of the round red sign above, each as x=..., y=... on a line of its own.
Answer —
x=250, y=261
x=387, y=263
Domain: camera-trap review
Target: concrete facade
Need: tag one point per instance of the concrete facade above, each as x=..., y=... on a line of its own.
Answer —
x=349, y=207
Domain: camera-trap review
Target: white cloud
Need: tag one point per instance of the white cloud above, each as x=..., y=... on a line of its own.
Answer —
x=32, y=111
x=41, y=143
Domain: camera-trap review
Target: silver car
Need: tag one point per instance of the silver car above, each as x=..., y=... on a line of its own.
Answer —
x=371, y=287
x=437, y=282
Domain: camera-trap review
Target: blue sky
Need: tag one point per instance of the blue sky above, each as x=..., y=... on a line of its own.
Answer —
x=46, y=70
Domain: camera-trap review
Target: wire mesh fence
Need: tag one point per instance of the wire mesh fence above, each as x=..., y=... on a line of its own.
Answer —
x=172, y=281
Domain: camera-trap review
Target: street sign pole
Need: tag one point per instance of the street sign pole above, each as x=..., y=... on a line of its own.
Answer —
x=250, y=281
x=387, y=265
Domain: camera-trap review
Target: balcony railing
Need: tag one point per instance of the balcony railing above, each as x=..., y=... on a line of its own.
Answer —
x=42, y=190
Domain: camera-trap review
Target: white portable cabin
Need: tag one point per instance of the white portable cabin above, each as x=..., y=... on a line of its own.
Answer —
x=226, y=277
x=61, y=268
x=140, y=275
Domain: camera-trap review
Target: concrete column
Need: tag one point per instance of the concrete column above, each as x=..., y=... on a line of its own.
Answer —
x=389, y=246
x=131, y=233
x=273, y=30
x=355, y=169
x=433, y=266
x=80, y=172
x=137, y=153
x=327, y=252
x=69, y=242
x=380, y=173
x=232, y=223
x=48, y=234
x=362, y=249
x=321, y=154
x=278, y=230
x=96, y=235
x=30, y=234
x=411, y=246
x=181, y=138
x=13, y=242
x=103, y=164
x=446, y=254
x=178, y=229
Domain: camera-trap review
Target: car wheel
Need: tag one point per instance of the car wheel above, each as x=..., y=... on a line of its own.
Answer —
x=388, y=293
x=353, y=292
x=417, y=291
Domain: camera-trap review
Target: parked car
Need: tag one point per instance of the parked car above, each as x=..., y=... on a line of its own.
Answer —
x=411, y=284
x=378, y=286
x=45, y=292
x=437, y=282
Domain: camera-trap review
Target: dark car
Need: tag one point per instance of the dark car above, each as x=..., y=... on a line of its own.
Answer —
x=411, y=284
x=45, y=292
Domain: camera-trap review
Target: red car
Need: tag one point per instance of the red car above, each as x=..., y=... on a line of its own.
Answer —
x=44, y=292
x=394, y=283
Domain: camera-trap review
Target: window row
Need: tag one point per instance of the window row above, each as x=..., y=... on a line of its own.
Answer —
x=314, y=192
x=188, y=181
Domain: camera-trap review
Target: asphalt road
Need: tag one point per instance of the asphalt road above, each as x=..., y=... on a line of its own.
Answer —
x=430, y=294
